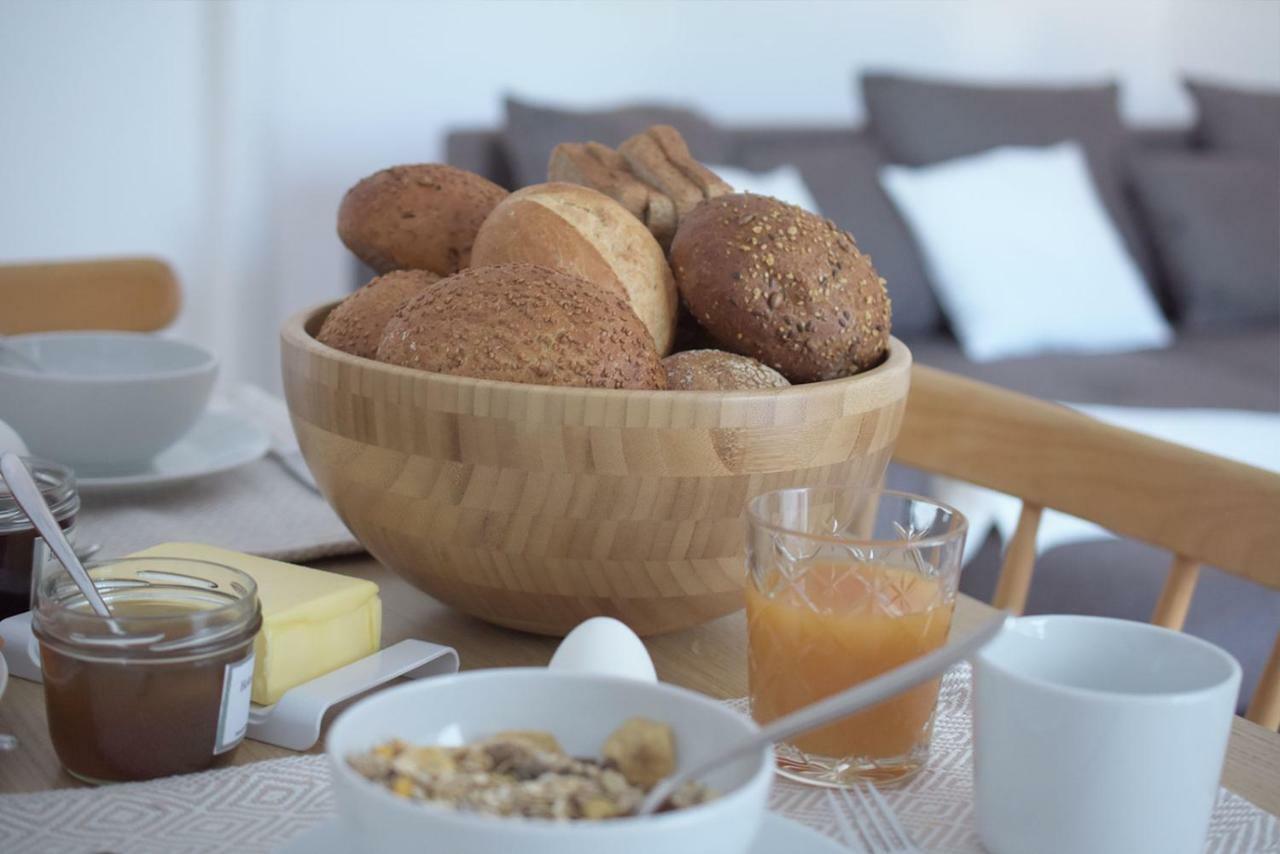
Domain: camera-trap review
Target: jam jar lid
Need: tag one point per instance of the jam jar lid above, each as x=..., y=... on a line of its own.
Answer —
x=58, y=486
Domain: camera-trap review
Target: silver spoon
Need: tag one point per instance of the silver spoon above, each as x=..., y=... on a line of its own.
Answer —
x=13, y=354
x=832, y=709
x=25, y=491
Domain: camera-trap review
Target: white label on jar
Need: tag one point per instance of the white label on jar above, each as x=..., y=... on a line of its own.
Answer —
x=233, y=717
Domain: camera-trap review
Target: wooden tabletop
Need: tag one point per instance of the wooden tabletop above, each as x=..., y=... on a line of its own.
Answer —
x=710, y=659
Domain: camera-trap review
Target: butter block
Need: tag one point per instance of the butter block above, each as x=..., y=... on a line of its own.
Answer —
x=313, y=622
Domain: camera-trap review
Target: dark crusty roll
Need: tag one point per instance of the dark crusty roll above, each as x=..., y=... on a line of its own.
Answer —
x=419, y=217
x=526, y=324
x=772, y=281
x=355, y=325
x=716, y=370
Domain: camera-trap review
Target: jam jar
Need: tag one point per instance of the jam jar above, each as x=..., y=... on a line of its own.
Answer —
x=21, y=548
x=162, y=686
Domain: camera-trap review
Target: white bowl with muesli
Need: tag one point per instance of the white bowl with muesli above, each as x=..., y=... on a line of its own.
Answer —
x=529, y=761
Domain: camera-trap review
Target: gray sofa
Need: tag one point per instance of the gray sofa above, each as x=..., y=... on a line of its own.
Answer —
x=1233, y=365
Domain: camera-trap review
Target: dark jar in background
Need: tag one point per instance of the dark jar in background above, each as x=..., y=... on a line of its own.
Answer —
x=160, y=688
x=21, y=548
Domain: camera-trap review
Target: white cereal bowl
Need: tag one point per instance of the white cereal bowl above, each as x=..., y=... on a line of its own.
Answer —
x=581, y=710
x=105, y=402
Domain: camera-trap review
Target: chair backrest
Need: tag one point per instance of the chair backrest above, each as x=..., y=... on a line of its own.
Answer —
x=1201, y=508
x=131, y=294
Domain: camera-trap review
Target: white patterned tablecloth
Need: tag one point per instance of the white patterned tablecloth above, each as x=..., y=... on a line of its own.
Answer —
x=255, y=809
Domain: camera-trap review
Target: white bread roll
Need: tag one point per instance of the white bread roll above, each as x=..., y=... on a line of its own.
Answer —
x=585, y=233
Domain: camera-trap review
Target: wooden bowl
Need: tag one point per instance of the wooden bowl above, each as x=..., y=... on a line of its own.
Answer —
x=536, y=507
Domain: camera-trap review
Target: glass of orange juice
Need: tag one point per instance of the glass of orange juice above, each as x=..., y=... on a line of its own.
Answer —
x=844, y=585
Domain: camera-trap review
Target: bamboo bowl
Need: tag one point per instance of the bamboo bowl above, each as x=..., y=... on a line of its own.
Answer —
x=536, y=507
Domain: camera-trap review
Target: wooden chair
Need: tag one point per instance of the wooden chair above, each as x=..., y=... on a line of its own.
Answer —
x=1201, y=508
x=132, y=294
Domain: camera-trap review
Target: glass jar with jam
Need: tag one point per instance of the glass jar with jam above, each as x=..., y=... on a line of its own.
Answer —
x=162, y=686
x=21, y=548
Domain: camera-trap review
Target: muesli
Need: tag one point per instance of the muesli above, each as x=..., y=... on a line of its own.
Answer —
x=527, y=773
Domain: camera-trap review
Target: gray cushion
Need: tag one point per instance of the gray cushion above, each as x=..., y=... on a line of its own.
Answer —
x=918, y=122
x=479, y=151
x=1245, y=121
x=1215, y=221
x=532, y=131
x=1239, y=369
x=843, y=178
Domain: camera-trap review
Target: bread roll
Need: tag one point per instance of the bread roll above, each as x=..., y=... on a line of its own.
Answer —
x=583, y=232
x=421, y=217
x=355, y=325
x=526, y=324
x=716, y=370
x=772, y=281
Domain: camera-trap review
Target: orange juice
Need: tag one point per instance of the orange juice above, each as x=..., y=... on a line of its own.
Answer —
x=836, y=625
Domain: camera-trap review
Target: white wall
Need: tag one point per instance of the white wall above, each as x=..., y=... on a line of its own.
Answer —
x=103, y=139
x=223, y=135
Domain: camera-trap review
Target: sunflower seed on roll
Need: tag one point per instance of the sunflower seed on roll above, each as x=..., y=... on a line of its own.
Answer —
x=772, y=281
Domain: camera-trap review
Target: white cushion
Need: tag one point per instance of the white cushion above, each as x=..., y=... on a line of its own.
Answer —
x=1023, y=255
x=784, y=183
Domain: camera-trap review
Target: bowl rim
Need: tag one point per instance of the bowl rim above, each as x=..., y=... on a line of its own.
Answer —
x=672, y=821
x=207, y=363
x=295, y=334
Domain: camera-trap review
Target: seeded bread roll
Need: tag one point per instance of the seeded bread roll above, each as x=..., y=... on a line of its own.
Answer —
x=526, y=324
x=421, y=217
x=355, y=325
x=716, y=370
x=772, y=281
x=583, y=232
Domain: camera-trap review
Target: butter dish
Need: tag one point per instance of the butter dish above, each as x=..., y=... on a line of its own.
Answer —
x=313, y=621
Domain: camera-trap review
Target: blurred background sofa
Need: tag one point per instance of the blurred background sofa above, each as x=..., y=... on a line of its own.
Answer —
x=1196, y=207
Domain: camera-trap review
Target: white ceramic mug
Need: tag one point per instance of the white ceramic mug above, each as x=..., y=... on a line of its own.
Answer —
x=1099, y=735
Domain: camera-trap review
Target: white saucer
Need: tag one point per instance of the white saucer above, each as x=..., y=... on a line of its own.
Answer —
x=777, y=835
x=219, y=441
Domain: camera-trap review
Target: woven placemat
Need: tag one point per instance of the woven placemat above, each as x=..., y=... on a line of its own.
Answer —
x=258, y=508
x=254, y=809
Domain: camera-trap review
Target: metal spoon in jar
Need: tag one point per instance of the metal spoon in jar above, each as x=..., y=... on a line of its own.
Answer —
x=25, y=491
x=832, y=709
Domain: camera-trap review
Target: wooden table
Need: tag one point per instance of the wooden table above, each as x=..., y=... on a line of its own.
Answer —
x=710, y=659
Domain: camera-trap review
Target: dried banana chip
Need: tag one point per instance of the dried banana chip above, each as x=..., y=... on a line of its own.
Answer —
x=644, y=751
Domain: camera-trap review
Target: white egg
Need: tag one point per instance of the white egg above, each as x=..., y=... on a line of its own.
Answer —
x=10, y=440
x=604, y=646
